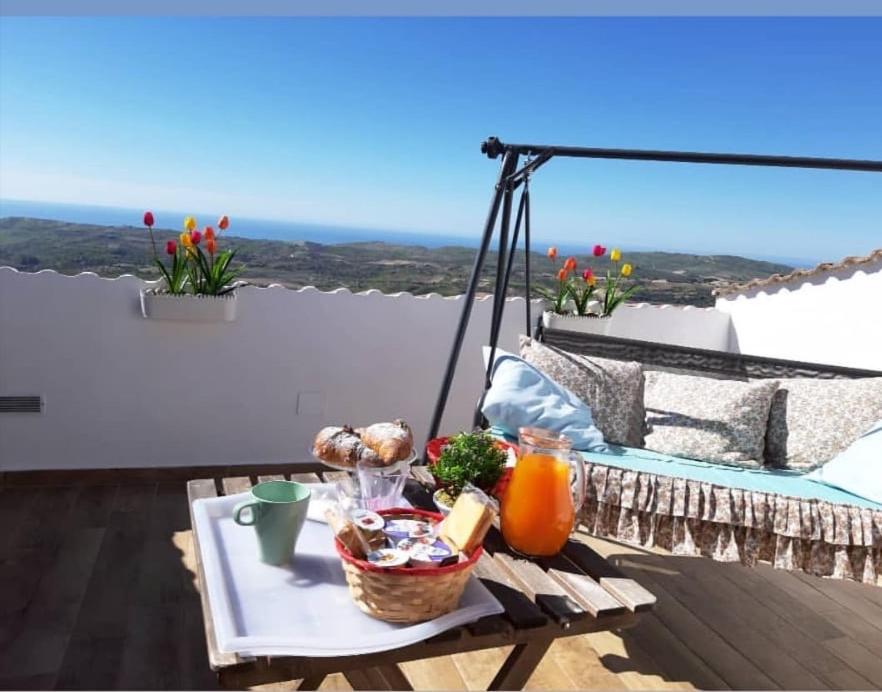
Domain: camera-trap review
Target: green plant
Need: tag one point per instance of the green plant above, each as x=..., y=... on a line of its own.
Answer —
x=201, y=272
x=559, y=297
x=469, y=458
x=583, y=291
x=614, y=295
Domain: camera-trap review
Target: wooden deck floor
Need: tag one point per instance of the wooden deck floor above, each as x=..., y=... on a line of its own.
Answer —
x=97, y=591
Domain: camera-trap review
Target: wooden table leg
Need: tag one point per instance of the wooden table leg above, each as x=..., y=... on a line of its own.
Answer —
x=519, y=665
x=388, y=677
x=311, y=682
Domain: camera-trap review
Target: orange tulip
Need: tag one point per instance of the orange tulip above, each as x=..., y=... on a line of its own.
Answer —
x=223, y=223
x=552, y=253
x=570, y=264
x=562, y=274
x=211, y=245
x=208, y=233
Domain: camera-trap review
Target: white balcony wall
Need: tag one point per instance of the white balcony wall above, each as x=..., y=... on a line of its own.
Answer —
x=834, y=317
x=124, y=391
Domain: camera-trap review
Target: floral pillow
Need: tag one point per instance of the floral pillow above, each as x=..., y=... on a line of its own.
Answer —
x=722, y=421
x=812, y=420
x=612, y=388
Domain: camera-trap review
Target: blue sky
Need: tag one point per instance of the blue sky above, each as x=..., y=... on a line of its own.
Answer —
x=377, y=122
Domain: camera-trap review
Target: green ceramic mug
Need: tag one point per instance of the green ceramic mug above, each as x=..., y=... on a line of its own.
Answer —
x=277, y=510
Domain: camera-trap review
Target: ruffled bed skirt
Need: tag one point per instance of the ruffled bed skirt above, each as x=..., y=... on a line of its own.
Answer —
x=693, y=518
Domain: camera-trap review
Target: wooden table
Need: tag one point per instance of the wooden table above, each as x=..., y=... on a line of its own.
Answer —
x=573, y=593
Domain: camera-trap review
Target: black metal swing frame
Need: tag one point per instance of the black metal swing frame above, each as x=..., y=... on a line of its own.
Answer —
x=511, y=178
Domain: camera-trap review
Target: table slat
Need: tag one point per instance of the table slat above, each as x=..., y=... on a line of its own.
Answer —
x=271, y=477
x=635, y=597
x=522, y=612
x=197, y=490
x=548, y=594
x=423, y=476
x=239, y=484
x=306, y=477
x=591, y=595
x=334, y=476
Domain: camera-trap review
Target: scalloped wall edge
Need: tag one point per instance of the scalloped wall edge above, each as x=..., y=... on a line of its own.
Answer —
x=775, y=282
x=371, y=292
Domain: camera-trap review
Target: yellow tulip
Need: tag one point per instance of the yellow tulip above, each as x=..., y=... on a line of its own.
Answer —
x=185, y=239
x=626, y=269
x=615, y=255
x=189, y=223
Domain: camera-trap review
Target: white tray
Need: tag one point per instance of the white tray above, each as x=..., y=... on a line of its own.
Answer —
x=301, y=609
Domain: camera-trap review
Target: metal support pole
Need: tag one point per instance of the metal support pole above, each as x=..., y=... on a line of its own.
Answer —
x=499, y=306
x=498, y=311
x=508, y=165
x=499, y=288
x=527, y=257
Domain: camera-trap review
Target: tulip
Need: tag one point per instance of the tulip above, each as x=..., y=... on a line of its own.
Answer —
x=223, y=223
x=211, y=245
x=195, y=237
x=185, y=239
x=626, y=269
x=587, y=275
x=208, y=233
x=171, y=247
x=552, y=253
x=562, y=275
x=189, y=223
x=615, y=255
x=599, y=251
x=570, y=264
x=148, y=219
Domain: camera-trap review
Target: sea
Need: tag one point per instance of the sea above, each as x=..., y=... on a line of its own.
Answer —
x=264, y=229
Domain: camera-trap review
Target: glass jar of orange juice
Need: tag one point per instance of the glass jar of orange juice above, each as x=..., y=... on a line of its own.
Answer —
x=546, y=491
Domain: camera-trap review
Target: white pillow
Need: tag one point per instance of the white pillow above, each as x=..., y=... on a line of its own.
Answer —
x=857, y=469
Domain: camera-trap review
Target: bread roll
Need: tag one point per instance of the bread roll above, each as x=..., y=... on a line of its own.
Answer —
x=391, y=441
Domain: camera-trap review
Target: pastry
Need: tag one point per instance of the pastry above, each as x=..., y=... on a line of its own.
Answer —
x=391, y=441
x=340, y=445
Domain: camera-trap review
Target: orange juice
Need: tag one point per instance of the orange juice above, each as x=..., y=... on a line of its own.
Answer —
x=538, y=513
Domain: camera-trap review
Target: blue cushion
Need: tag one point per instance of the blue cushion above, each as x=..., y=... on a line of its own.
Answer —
x=858, y=469
x=521, y=395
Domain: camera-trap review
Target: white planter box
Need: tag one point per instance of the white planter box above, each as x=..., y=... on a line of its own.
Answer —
x=577, y=323
x=188, y=308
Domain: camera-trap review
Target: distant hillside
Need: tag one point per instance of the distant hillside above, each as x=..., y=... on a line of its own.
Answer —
x=33, y=244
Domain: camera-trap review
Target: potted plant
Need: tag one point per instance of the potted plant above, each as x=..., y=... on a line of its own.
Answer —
x=197, y=284
x=593, y=305
x=475, y=458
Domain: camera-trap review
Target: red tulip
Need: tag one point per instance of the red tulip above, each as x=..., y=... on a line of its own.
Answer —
x=148, y=219
x=562, y=274
x=195, y=237
x=599, y=251
x=223, y=222
x=211, y=245
x=171, y=247
x=570, y=264
x=587, y=275
x=208, y=233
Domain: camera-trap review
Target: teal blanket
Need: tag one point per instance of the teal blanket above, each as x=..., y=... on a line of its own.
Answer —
x=766, y=480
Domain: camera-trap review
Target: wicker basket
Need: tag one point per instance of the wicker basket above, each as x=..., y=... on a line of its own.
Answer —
x=406, y=594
